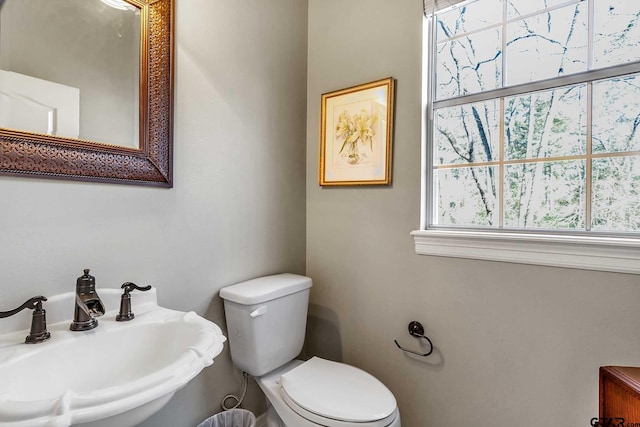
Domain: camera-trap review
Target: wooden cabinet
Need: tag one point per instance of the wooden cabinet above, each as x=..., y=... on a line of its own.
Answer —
x=620, y=394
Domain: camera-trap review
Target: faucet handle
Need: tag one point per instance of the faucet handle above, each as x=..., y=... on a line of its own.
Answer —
x=38, y=331
x=129, y=286
x=31, y=303
x=125, y=301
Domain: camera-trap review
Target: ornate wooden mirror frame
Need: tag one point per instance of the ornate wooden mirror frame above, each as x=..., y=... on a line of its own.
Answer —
x=38, y=155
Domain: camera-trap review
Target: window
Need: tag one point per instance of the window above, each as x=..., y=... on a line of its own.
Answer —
x=533, y=122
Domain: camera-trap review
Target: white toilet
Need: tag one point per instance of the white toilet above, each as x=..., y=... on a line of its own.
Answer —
x=266, y=322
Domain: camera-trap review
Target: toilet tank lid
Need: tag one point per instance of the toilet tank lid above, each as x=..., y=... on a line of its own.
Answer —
x=262, y=289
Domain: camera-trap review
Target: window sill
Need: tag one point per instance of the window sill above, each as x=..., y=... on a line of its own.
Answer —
x=584, y=252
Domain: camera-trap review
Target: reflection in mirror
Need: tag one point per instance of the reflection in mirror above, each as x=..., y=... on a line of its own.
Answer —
x=150, y=161
x=70, y=68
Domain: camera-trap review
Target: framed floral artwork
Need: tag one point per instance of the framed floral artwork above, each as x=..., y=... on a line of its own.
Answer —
x=356, y=127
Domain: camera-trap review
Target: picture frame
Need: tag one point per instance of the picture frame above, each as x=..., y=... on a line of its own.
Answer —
x=356, y=129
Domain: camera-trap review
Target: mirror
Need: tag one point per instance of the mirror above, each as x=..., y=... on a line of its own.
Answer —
x=86, y=90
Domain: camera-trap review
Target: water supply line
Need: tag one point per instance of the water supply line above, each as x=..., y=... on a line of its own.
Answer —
x=233, y=397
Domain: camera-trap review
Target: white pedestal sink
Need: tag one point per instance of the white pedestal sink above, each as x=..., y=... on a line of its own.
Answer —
x=117, y=374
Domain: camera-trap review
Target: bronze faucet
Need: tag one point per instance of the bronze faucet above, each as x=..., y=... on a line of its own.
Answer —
x=88, y=304
x=38, y=331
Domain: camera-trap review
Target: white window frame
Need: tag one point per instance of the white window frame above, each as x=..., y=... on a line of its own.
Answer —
x=589, y=251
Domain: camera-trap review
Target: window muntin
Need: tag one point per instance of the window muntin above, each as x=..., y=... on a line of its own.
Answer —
x=542, y=142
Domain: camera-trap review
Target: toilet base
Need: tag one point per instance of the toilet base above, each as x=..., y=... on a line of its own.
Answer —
x=273, y=419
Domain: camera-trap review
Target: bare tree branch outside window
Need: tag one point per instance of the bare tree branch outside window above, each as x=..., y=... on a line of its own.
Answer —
x=527, y=152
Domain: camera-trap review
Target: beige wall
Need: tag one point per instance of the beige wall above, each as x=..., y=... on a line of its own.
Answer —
x=237, y=209
x=515, y=345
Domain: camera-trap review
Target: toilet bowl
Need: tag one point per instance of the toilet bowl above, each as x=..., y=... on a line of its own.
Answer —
x=319, y=392
x=266, y=321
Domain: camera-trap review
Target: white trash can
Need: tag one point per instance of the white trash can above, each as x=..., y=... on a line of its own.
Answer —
x=231, y=418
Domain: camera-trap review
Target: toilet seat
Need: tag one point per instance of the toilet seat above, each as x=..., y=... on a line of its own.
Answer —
x=334, y=394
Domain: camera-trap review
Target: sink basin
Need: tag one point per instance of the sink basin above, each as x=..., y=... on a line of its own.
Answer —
x=116, y=375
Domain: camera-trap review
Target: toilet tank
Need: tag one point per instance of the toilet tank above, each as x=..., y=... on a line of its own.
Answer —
x=266, y=321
